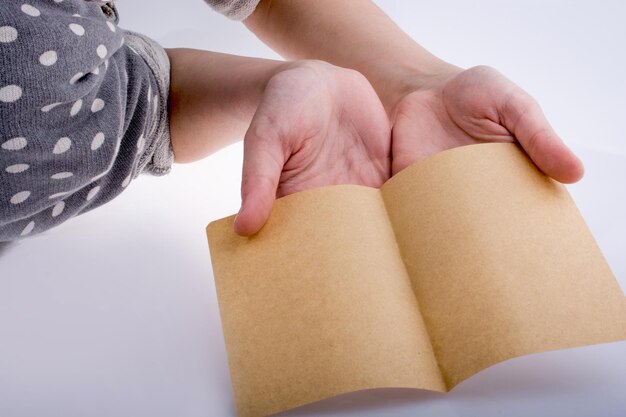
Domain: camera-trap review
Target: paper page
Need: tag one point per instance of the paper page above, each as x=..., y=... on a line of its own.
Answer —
x=318, y=303
x=501, y=261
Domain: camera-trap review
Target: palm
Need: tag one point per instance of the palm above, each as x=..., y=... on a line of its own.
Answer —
x=338, y=137
x=473, y=106
x=317, y=125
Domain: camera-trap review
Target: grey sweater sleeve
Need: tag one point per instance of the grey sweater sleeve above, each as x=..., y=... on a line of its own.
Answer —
x=83, y=111
x=234, y=9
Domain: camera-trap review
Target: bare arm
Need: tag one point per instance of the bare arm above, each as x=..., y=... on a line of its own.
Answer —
x=353, y=34
x=432, y=105
x=213, y=97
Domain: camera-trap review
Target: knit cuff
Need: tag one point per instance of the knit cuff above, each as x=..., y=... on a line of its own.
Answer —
x=234, y=9
x=158, y=157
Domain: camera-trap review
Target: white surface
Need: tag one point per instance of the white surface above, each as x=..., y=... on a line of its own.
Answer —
x=115, y=313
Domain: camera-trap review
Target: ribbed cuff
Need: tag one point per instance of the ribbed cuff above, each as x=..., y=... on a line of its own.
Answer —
x=234, y=9
x=158, y=156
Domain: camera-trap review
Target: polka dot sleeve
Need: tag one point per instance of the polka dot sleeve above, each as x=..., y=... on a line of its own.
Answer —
x=83, y=111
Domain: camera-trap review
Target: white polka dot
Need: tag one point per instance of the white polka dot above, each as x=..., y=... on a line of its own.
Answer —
x=15, y=144
x=111, y=26
x=141, y=143
x=76, y=15
x=20, y=197
x=97, y=141
x=28, y=229
x=97, y=177
x=106, y=64
x=17, y=168
x=48, y=58
x=58, y=1
x=76, y=107
x=57, y=195
x=92, y=193
x=10, y=93
x=61, y=175
x=62, y=145
x=97, y=105
x=30, y=10
x=58, y=209
x=126, y=182
x=77, y=29
x=76, y=77
x=102, y=51
x=7, y=34
x=49, y=107
x=96, y=71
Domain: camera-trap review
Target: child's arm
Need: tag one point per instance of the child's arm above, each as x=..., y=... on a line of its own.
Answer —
x=433, y=105
x=306, y=124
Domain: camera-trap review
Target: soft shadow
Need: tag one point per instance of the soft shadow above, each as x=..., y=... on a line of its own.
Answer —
x=5, y=247
x=534, y=376
x=365, y=400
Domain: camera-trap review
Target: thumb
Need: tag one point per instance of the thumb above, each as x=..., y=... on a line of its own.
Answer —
x=263, y=162
x=523, y=117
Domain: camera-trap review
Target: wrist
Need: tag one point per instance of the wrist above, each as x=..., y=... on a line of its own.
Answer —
x=396, y=80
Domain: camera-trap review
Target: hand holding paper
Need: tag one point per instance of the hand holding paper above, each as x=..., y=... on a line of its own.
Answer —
x=316, y=125
x=463, y=260
x=433, y=105
x=340, y=136
x=463, y=107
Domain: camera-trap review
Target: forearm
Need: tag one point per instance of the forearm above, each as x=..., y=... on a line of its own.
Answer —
x=354, y=34
x=213, y=97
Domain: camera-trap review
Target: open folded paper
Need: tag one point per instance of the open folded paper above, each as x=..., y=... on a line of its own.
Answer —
x=462, y=260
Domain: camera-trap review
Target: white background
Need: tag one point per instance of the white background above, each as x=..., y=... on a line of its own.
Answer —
x=115, y=313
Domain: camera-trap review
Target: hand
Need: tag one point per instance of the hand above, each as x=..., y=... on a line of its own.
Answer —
x=316, y=125
x=473, y=106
